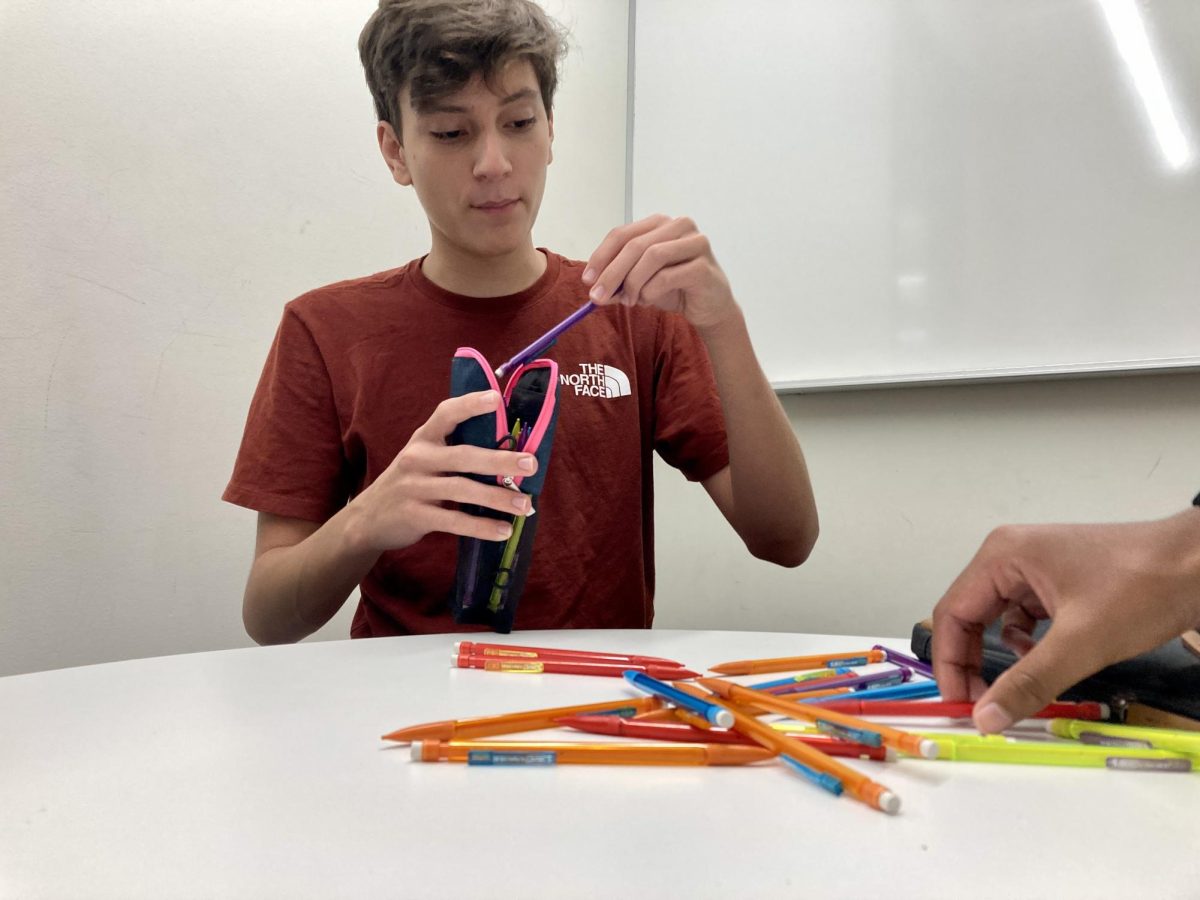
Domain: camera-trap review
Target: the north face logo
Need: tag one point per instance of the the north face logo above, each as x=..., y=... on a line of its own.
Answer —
x=597, y=380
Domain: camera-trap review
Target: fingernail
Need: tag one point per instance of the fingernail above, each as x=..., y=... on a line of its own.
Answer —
x=527, y=463
x=488, y=398
x=521, y=504
x=589, y=275
x=597, y=293
x=504, y=531
x=992, y=718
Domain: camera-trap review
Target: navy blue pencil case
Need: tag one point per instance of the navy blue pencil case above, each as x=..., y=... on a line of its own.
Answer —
x=491, y=574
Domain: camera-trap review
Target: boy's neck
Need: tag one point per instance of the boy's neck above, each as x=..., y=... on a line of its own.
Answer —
x=483, y=277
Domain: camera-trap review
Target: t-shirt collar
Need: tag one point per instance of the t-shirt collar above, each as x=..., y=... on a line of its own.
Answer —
x=507, y=304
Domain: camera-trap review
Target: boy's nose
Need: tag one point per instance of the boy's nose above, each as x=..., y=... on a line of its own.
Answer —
x=492, y=161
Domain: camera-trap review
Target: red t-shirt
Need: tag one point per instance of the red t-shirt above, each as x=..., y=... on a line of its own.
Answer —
x=357, y=366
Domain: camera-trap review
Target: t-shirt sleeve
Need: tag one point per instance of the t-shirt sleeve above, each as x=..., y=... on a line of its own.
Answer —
x=291, y=461
x=689, y=431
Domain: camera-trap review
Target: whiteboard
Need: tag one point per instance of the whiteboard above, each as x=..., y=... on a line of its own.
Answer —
x=918, y=190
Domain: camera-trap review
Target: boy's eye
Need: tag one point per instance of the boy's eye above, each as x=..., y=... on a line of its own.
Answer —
x=522, y=124
x=448, y=135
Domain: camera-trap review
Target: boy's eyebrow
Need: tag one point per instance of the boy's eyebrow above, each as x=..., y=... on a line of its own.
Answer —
x=523, y=94
x=435, y=107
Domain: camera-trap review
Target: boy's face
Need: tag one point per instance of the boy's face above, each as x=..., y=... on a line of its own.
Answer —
x=477, y=160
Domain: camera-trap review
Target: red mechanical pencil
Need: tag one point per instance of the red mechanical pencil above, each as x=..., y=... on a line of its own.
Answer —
x=478, y=648
x=945, y=709
x=569, y=667
x=662, y=731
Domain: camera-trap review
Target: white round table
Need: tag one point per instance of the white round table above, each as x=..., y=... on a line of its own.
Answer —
x=260, y=773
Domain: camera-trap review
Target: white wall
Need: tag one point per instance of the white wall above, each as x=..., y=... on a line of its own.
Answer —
x=173, y=173
x=910, y=480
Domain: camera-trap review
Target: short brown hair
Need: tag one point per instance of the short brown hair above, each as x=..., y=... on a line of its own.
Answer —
x=434, y=47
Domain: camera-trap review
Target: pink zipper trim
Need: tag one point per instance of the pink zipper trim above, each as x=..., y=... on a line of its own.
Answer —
x=547, y=411
x=501, y=416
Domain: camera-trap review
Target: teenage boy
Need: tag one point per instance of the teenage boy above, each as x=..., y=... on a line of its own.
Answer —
x=345, y=456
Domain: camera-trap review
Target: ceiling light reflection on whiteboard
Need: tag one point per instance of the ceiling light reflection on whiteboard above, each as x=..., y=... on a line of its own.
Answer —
x=1129, y=33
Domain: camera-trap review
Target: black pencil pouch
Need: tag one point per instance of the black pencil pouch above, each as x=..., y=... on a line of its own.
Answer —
x=1166, y=678
x=491, y=574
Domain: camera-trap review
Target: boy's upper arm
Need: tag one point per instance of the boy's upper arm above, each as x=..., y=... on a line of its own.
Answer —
x=280, y=531
x=689, y=427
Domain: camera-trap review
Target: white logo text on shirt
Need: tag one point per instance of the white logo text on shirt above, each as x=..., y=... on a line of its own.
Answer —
x=597, y=380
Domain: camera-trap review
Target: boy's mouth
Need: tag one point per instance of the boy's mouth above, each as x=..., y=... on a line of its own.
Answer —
x=495, y=205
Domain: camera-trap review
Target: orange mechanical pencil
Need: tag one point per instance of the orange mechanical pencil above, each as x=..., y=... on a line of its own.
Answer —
x=512, y=723
x=549, y=753
x=809, y=761
x=839, y=724
x=789, y=663
x=826, y=692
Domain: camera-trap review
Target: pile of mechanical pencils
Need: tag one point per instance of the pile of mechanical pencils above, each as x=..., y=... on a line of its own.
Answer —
x=811, y=721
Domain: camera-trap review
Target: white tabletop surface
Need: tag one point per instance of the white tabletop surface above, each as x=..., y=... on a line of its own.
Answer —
x=260, y=773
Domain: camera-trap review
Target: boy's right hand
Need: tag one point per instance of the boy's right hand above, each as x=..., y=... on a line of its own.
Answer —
x=419, y=492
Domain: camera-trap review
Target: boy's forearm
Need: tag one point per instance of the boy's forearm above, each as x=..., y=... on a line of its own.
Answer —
x=1185, y=530
x=773, y=510
x=294, y=590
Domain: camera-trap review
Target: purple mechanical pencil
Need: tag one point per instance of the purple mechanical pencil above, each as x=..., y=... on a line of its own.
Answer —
x=896, y=676
x=545, y=340
x=903, y=659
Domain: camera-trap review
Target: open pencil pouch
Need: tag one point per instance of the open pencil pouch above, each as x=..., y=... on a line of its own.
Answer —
x=491, y=574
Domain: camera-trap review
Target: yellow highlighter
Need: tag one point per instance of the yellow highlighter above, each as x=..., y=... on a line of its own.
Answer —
x=996, y=748
x=1159, y=738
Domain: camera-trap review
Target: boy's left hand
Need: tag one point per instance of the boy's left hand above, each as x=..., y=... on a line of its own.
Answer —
x=663, y=262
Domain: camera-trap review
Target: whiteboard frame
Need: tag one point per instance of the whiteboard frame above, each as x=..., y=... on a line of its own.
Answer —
x=1170, y=366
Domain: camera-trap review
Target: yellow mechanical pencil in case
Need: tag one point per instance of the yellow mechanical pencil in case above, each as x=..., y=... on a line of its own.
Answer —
x=491, y=574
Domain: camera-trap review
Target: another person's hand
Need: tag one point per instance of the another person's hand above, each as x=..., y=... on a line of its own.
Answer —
x=662, y=262
x=1113, y=591
x=419, y=490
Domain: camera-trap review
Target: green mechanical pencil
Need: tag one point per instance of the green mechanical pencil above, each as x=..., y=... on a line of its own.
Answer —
x=1159, y=738
x=995, y=748
x=510, y=548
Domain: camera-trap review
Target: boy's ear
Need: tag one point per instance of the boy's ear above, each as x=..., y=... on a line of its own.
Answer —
x=393, y=153
x=550, y=122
